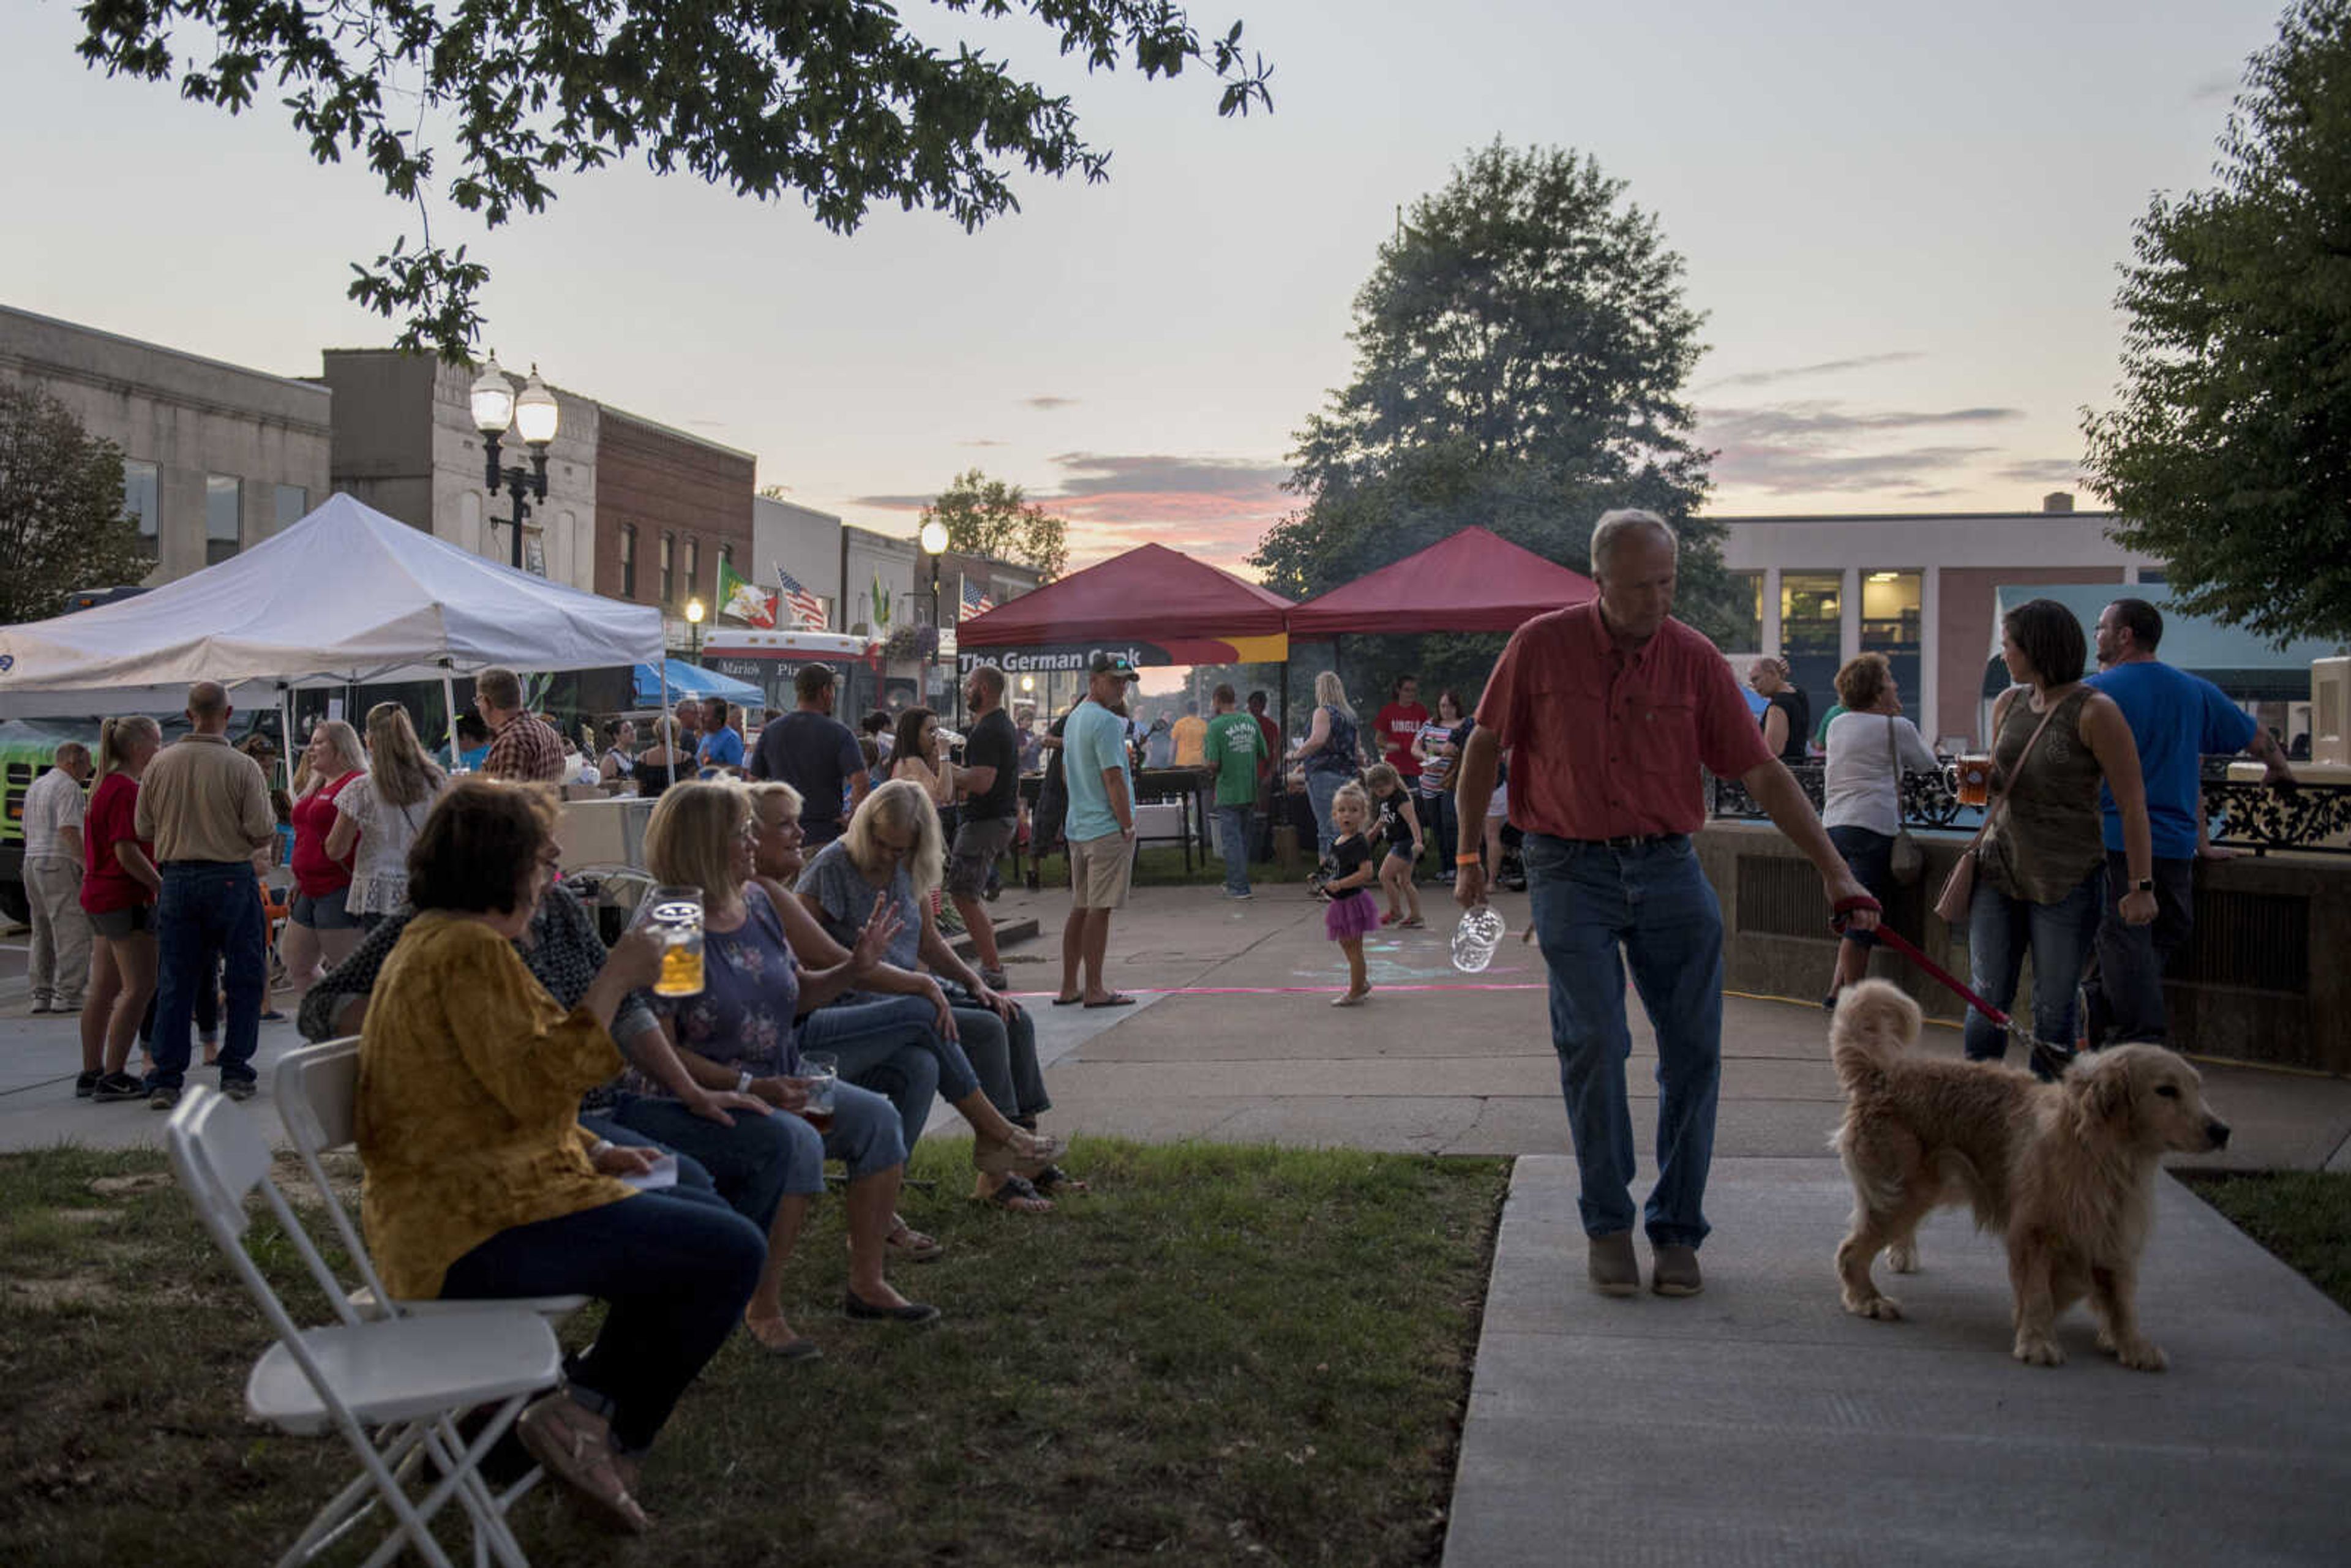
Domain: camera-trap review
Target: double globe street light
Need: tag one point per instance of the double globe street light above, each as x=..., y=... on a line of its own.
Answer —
x=534, y=417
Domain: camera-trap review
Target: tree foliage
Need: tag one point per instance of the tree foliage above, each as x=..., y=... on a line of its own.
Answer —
x=987, y=516
x=2229, y=453
x=62, y=524
x=837, y=99
x=1520, y=350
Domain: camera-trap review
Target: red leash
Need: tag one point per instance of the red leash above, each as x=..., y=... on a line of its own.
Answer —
x=2043, y=1054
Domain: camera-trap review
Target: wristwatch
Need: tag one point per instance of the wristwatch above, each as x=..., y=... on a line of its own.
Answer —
x=2143, y=884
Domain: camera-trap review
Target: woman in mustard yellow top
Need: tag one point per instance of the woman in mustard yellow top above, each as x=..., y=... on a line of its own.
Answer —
x=480, y=1181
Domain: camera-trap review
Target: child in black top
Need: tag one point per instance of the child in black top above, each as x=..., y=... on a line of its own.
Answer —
x=1353, y=913
x=1400, y=826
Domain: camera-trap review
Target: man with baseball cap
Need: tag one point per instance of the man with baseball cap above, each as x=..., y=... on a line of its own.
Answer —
x=1100, y=829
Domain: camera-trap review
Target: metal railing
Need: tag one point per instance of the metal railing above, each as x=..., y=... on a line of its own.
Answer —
x=2312, y=819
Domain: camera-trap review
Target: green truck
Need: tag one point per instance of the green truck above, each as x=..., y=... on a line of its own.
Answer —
x=27, y=746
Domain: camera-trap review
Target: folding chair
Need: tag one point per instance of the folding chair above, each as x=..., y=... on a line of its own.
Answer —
x=316, y=1087
x=404, y=1378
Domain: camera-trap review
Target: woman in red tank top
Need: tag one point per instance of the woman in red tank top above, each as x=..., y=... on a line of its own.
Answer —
x=319, y=931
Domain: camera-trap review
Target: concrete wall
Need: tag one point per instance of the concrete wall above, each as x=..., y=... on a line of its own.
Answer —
x=2262, y=979
x=405, y=444
x=191, y=417
x=894, y=560
x=804, y=541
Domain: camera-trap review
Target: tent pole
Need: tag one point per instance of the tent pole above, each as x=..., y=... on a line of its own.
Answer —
x=286, y=733
x=662, y=724
x=449, y=713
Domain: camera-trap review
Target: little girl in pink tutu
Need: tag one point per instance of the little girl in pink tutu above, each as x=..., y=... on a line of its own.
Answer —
x=1353, y=911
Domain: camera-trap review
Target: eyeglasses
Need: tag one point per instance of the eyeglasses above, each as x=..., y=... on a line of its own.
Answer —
x=887, y=848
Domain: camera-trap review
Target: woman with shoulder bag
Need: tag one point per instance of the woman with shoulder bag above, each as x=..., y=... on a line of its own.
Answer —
x=1869, y=747
x=1329, y=752
x=2038, y=861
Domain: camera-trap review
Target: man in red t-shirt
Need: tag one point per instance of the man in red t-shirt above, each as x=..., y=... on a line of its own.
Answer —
x=1268, y=775
x=1609, y=709
x=1399, y=725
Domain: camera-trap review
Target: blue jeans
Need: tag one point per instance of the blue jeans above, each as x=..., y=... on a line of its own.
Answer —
x=1869, y=855
x=760, y=1160
x=1321, y=786
x=691, y=1175
x=675, y=1272
x=2060, y=935
x=1597, y=910
x=210, y=916
x=1436, y=808
x=1005, y=1056
x=892, y=1046
x=1232, y=843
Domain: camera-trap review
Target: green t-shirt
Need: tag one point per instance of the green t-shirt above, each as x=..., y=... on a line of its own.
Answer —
x=1821, y=730
x=1235, y=744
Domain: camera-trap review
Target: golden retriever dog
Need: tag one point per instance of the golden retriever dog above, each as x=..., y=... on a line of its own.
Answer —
x=2064, y=1171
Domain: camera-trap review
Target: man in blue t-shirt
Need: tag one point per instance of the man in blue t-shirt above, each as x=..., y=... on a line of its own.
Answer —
x=721, y=747
x=1099, y=827
x=2178, y=719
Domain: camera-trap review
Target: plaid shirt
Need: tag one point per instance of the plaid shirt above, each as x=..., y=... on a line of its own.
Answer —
x=562, y=951
x=527, y=751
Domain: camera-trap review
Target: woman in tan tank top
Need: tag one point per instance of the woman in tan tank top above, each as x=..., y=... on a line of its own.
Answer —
x=2041, y=873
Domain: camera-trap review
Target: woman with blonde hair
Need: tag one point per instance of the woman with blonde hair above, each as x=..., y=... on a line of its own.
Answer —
x=891, y=856
x=739, y=1033
x=1328, y=751
x=377, y=817
x=320, y=930
x=119, y=889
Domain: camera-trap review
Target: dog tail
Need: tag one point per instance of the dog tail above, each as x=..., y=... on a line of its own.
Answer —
x=1875, y=1023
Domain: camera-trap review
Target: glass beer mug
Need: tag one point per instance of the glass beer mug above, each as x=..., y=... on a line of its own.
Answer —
x=1974, y=771
x=674, y=914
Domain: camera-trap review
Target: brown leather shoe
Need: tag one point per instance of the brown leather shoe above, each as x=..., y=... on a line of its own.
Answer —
x=1673, y=1271
x=576, y=1445
x=1614, y=1270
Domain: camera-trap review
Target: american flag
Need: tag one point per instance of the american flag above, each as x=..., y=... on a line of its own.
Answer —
x=808, y=610
x=976, y=600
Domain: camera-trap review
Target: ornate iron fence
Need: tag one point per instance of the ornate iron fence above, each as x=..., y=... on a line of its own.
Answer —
x=2312, y=818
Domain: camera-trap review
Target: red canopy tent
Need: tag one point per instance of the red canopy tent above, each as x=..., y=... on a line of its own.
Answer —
x=1476, y=580
x=1180, y=611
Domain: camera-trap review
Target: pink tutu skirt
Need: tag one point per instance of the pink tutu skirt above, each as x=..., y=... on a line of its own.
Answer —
x=1355, y=914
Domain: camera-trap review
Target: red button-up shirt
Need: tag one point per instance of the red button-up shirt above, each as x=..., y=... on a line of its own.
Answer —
x=1605, y=742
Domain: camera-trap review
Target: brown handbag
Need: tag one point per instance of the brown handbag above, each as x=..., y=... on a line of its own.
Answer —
x=1960, y=887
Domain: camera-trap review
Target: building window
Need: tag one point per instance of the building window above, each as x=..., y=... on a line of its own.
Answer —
x=139, y=503
x=693, y=566
x=669, y=569
x=628, y=560
x=224, y=517
x=1810, y=633
x=1890, y=623
x=1746, y=631
x=293, y=504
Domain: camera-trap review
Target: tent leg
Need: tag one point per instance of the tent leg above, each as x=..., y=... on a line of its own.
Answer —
x=449, y=715
x=286, y=733
x=670, y=749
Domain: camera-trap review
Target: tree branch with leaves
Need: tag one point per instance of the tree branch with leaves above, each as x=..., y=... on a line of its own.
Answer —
x=839, y=101
x=990, y=518
x=62, y=524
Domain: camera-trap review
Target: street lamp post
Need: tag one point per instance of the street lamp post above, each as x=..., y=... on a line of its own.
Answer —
x=534, y=417
x=694, y=612
x=934, y=540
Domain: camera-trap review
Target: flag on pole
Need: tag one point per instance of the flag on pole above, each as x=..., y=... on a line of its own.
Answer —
x=976, y=600
x=739, y=601
x=807, y=608
x=880, y=619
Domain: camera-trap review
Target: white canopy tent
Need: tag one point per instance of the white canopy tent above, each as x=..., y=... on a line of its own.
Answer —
x=345, y=596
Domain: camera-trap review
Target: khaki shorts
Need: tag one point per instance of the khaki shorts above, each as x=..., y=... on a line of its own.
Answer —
x=1100, y=870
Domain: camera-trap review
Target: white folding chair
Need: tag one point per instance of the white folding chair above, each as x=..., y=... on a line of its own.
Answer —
x=317, y=1088
x=404, y=1379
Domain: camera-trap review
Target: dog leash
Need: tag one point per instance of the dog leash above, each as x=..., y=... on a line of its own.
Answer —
x=2046, y=1057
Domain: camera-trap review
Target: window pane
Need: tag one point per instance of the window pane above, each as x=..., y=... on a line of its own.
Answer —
x=1890, y=621
x=223, y=516
x=668, y=568
x=628, y=560
x=1811, y=635
x=693, y=566
x=140, y=502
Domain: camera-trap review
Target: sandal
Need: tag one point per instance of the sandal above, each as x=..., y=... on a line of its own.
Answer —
x=576, y=1445
x=1017, y=1194
x=1011, y=1159
x=1054, y=1178
x=905, y=1241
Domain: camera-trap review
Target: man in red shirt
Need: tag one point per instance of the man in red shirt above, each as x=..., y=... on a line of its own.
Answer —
x=1399, y=725
x=1608, y=710
x=1268, y=775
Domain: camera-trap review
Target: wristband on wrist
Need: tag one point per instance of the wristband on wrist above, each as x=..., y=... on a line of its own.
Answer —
x=596, y=1149
x=1468, y=859
x=743, y=1081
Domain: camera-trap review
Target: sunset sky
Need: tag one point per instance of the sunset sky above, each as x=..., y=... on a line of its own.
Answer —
x=1903, y=225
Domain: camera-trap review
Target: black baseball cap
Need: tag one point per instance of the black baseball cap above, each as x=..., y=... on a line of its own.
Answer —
x=1114, y=664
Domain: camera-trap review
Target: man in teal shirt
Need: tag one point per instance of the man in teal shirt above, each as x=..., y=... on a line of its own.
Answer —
x=1236, y=749
x=1100, y=829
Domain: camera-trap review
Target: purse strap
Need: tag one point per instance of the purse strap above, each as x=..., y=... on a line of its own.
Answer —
x=1992, y=810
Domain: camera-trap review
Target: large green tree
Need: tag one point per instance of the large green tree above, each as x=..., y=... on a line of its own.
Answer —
x=2230, y=452
x=1520, y=347
x=837, y=99
x=62, y=526
x=987, y=516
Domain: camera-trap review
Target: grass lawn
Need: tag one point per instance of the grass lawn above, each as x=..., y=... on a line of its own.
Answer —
x=1220, y=1355
x=2303, y=1216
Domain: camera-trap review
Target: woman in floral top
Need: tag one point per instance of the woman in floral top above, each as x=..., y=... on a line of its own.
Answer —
x=738, y=1034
